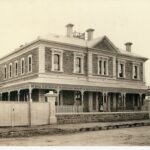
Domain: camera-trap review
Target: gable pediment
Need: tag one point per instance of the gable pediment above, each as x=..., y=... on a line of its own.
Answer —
x=105, y=44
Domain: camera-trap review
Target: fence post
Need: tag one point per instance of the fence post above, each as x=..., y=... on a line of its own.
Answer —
x=147, y=104
x=51, y=97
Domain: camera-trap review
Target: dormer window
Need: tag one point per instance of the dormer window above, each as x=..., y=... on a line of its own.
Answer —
x=121, y=69
x=57, y=60
x=102, y=65
x=78, y=63
x=135, y=71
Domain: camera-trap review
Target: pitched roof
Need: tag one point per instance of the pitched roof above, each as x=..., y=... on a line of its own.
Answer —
x=76, y=42
x=124, y=52
x=64, y=39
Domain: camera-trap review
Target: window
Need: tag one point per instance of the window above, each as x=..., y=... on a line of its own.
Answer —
x=10, y=70
x=5, y=72
x=135, y=71
x=121, y=68
x=57, y=60
x=102, y=65
x=30, y=63
x=105, y=69
x=22, y=66
x=78, y=63
x=16, y=69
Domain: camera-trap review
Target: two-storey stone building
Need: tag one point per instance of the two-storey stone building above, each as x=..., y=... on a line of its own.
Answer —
x=88, y=74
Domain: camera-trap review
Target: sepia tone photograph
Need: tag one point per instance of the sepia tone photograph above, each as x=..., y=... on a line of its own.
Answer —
x=75, y=73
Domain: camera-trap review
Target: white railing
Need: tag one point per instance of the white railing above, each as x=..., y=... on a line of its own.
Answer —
x=68, y=109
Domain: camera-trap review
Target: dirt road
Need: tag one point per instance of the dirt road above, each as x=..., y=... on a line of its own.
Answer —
x=125, y=137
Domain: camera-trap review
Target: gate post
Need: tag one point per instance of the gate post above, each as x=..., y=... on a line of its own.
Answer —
x=51, y=97
x=147, y=105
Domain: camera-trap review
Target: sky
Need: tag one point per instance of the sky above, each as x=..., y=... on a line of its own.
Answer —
x=122, y=21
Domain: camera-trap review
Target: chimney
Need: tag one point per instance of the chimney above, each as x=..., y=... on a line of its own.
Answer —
x=69, y=30
x=90, y=34
x=128, y=46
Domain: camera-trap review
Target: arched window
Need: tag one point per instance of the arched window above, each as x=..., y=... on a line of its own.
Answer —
x=56, y=62
x=78, y=64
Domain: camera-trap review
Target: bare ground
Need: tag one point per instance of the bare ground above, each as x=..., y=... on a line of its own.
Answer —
x=138, y=136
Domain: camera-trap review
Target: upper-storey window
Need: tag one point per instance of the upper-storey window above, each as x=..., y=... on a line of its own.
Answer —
x=16, y=69
x=135, y=71
x=30, y=63
x=78, y=63
x=5, y=72
x=10, y=70
x=121, y=69
x=57, y=60
x=22, y=66
x=105, y=67
x=102, y=65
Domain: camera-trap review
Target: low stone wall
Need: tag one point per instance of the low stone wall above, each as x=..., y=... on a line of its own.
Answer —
x=100, y=117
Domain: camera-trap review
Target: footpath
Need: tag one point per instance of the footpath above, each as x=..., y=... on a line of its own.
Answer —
x=9, y=132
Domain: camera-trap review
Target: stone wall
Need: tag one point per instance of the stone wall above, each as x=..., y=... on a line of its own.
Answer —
x=110, y=66
x=95, y=65
x=141, y=71
x=128, y=70
x=35, y=61
x=48, y=60
x=100, y=117
x=68, y=62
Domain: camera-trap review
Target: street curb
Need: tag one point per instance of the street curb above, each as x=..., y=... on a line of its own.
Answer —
x=53, y=131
